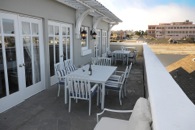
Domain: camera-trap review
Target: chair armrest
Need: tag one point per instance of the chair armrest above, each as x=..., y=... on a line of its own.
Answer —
x=94, y=87
x=112, y=110
x=119, y=72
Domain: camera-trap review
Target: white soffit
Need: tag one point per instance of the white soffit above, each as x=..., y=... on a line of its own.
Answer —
x=100, y=10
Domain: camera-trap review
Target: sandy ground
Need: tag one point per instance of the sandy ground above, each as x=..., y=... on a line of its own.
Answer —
x=182, y=49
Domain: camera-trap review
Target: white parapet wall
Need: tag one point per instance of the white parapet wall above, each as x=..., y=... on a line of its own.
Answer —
x=171, y=108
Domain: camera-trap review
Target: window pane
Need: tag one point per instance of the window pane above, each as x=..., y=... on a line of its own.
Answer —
x=11, y=64
x=68, y=31
x=37, y=67
x=64, y=48
x=25, y=28
x=63, y=30
x=56, y=30
x=57, y=50
x=2, y=73
x=83, y=43
x=35, y=30
x=51, y=31
x=68, y=47
x=8, y=26
x=28, y=60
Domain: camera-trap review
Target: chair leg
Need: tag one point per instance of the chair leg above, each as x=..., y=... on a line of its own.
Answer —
x=58, y=89
x=125, y=89
x=66, y=95
x=98, y=96
x=120, y=100
x=89, y=106
x=69, y=105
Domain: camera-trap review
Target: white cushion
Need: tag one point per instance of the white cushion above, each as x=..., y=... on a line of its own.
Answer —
x=141, y=117
x=107, y=123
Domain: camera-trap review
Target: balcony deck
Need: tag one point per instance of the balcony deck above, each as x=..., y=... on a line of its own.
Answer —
x=46, y=111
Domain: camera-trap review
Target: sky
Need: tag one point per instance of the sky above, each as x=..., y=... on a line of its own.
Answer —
x=138, y=14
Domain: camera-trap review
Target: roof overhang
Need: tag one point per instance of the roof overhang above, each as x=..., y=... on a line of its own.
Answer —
x=99, y=9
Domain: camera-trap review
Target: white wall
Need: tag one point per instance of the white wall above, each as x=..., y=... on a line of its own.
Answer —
x=171, y=109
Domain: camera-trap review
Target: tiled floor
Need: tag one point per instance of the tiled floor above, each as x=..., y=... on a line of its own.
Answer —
x=46, y=111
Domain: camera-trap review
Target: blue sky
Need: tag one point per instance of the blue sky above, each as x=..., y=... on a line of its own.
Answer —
x=138, y=14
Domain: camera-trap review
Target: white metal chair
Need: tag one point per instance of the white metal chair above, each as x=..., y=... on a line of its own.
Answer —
x=118, y=57
x=116, y=86
x=140, y=119
x=133, y=56
x=117, y=76
x=80, y=88
x=60, y=74
x=103, y=61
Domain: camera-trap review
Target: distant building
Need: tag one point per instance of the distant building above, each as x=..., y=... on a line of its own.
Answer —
x=174, y=30
x=120, y=34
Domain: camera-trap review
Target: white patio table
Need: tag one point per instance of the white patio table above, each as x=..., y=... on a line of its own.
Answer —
x=100, y=74
x=123, y=52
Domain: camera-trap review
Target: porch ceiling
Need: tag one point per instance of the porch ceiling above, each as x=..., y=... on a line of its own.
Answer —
x=99, y=9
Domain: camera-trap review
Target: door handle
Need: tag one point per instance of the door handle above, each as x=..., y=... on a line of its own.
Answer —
x=62, y=56
x=20, y=65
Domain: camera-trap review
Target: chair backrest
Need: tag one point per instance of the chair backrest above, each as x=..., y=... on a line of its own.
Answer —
x=118, y=56
x=103, y=61
x=68, y=65
x=124, y=75
x=71, y=68
x=79, y=87
x=57, y=67
x=68, y=62
x=61, y=74
x=104, y=55
x=141, y=117
x=94, y=60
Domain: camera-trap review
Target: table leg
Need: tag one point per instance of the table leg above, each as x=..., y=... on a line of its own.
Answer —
x=65, y=93
x=103, y=96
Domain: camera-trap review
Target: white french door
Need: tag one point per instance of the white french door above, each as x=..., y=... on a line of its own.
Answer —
x=31, y=44
x=60, y=45
x=13, y=66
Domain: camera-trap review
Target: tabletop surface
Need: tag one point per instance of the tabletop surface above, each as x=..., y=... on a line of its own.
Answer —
x=121, y=51
x=99, y=73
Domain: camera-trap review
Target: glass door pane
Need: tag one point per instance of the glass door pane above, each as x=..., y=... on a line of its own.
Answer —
x=37, y=73
x=68, y=47
x=11, y=61
x=2, y=73
x=51, y=55
x=57, y=50
x=27, y=60
x=64, y=48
